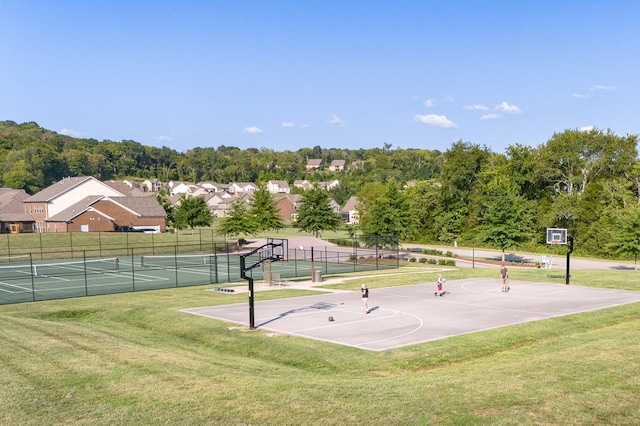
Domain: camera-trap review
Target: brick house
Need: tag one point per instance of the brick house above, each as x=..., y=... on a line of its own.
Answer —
x=13, y=219
x=62, y=194
x=98, y=213
x=288, y=205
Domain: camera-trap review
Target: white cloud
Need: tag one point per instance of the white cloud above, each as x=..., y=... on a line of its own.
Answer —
x=449, y=99
x=507, y=108
x=581, y=95
x=490, y=116
x=287, y=124
x=334, y=119
x=475, y=107
x=71, y=133
x=586, y=129
x=253, y=130
x=601, y=87
x=435, y=120
x=430, y=103
x=164, y=138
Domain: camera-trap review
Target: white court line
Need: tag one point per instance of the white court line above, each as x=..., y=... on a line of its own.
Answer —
x=13, y=286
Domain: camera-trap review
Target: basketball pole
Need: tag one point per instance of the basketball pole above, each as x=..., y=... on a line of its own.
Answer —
x=570, y=241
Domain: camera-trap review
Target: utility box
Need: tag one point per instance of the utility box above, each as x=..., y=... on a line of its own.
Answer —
x=317, y=275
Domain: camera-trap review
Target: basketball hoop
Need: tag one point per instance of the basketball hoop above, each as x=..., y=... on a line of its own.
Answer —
x=554, y=242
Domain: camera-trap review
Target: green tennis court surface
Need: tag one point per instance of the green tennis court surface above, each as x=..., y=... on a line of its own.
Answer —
x=24, y=281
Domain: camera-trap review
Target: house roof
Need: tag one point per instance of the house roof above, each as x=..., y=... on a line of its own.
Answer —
x=140, y=206
x=11, y=208
x=314, y=162
x=76, y=209
x=339, y=163
x=59, y=188
x=126, y=189
x=351, y=204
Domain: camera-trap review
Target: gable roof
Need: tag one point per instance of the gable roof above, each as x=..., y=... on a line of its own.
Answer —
x=139, y=206
x=76, y=209
x=351, y=204
x=11, y=208
x=60, y=187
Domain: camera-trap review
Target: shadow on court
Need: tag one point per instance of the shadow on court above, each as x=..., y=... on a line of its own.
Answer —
x=408, y=315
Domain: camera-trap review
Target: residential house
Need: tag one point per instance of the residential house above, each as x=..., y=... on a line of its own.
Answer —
x=349, y=212
x=126, y=188
x=288, y=205
x=242, y=187
x=151, y=185
x=329, y=185
x=303, y=184
x=213, y=186
x=98, y=213
x=57, y=197
x=314, y=163
x=13, y=219
x=183, y=188
x=338, y=166
x=278, y=187
x=334, y=206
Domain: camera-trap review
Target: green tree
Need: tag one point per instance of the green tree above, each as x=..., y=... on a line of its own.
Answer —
x=192, y=212
x=315, y=213
x=238, y=221
x=264, y=212
x=627, y=239
x=504, y=220
x=163, y=198
x=389, y=215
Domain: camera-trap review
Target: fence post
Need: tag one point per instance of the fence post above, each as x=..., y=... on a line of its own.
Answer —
x=175, y=258
x=133, y=272
x=84, y=263
x=33, y=283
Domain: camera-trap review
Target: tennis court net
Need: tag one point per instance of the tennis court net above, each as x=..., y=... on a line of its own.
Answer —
x=178, y=261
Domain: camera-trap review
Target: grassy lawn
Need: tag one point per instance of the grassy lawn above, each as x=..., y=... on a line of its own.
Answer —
x=135, y=359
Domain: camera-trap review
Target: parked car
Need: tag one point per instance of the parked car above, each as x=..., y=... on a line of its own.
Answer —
x=128, y=229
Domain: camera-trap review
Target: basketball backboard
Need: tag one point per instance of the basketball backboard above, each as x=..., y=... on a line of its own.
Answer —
x=279, y=247
x=556, y=236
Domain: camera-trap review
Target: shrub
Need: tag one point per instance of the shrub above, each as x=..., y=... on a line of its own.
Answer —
x=423, y=260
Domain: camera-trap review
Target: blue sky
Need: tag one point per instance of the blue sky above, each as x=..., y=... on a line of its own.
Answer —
x=286, y=75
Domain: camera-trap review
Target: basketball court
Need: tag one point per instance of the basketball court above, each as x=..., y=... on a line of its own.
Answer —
x=407, y=315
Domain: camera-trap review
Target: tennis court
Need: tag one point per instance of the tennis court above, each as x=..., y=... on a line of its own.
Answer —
x=25, y=280
x=407, y=315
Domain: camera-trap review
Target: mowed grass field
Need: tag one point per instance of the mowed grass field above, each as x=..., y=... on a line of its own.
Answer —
x=135, y=359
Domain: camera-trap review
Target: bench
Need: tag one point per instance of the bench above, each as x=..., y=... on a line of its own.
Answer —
x=276, y=279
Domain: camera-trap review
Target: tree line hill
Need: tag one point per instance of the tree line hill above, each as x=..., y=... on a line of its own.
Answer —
x=585, y=181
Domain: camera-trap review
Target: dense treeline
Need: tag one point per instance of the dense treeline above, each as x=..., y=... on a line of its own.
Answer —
x=585, y=181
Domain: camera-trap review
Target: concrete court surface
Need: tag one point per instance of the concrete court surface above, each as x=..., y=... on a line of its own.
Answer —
x=407, y=315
